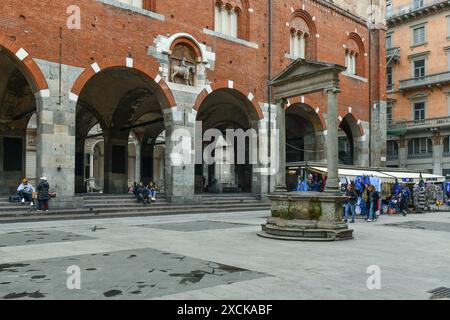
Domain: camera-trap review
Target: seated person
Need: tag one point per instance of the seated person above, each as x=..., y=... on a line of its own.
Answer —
x=142, y=193
x=152, y=188
x=25, y=191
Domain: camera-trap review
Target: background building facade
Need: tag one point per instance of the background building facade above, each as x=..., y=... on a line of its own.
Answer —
x=418, y=76
x=106, y=97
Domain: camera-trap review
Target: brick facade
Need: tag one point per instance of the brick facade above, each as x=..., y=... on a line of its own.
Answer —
x=114, y=36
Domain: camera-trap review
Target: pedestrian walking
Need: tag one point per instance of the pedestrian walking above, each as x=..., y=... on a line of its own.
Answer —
x=374, y=200
x=351, y=203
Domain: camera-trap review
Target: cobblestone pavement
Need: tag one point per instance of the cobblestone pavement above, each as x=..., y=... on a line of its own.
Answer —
x=220, y=256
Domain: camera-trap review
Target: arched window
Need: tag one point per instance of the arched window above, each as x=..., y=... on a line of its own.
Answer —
x=298, y=44
x=232, y=18
x=355, y=55
x=149, y=5
x=302, y=36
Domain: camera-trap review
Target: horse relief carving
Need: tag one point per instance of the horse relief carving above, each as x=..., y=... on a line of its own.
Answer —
x=183, y=68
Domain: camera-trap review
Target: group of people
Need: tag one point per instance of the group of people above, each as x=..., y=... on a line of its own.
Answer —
x=27, y=193
x=144, y=193
x=313, y=182
x=366, y=203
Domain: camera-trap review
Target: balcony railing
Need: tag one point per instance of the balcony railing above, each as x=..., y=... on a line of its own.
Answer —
x=420, y=155
x=426, y=81
x=413, y=7
x=400, y=128
x=392, y=54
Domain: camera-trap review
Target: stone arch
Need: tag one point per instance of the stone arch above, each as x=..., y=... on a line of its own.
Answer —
x=232, y=86
x=33, y=72
x=118, y=62
x=305, y=133
x=22, y=85
x=188, y=41
x=311, y=44
x=356, y=125
x=297, y=101
x=223, y=108
x=355, y=137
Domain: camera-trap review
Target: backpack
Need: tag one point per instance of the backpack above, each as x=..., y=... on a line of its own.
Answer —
x=14, y=199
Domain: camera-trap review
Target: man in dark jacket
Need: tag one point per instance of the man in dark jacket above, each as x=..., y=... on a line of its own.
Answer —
x=43, y=194
x=351, y=203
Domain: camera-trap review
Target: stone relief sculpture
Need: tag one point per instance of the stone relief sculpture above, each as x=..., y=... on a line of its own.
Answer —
x=183, y=66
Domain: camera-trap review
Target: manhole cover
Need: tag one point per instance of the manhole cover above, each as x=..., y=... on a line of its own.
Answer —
x=440, y=293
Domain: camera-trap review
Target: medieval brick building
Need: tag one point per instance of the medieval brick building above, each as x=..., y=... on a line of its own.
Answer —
x=106, y=83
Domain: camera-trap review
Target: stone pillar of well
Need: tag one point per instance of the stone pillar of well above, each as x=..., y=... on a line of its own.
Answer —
x=332, y=141
x=403, y=153
x=438, y=152
x=280, y=178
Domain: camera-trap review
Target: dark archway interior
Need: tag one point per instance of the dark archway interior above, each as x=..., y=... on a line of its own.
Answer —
x=121, y=100
x=17, y=105
x=226, y=109
x=302, y=127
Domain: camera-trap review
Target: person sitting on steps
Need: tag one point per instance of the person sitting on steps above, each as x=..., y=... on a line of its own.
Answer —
x=142, y=193
x=25, y=191
x=153, y=189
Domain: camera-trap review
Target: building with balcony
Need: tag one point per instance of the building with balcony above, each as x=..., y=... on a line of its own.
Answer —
x=418, y=84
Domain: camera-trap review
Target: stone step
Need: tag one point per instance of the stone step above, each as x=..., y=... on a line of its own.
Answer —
x=163, y=201
x=138, y=206
x=83, y=214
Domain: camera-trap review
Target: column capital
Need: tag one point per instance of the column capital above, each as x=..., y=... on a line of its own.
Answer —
x=437, y=139
x=333, y=89
x=403, y=142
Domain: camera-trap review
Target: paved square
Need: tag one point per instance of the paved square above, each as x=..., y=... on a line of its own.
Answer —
x=20, y=238
x=220, y=256
x=195, y=226
x=131, y=274
x=423, y=225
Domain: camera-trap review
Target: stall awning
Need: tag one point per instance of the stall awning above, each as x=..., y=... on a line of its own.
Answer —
x=385, y=176
x=414, y=176
x=351, y=173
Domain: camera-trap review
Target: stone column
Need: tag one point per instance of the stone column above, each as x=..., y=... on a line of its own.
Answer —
x=280, y=179
x=55, y=134
x=332, y=140
x=137, y=167
x=180, y=156
x=438, y=151
x=403, y=153
x=91, y=166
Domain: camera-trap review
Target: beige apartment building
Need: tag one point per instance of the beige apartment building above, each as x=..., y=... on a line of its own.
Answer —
x=418, y=85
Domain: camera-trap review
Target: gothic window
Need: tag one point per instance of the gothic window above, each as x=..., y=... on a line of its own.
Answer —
x=350, y=61
x=232, y=19
x=302, y=36
x=298, y=44
x=355, y=55
x=149, y=5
